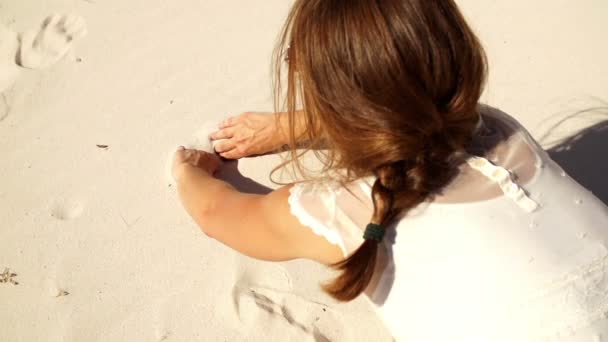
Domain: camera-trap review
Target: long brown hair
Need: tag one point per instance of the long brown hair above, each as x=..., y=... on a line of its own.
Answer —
x=390, y=88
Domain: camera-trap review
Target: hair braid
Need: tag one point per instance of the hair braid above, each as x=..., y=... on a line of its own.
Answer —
x=400, y=186
x=358, y=268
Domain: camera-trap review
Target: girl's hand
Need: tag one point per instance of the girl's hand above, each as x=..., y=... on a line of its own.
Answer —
x=248, y=134
x=184, y=157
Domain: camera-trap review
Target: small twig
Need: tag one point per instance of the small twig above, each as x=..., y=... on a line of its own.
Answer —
x=7, y=277
x=62, y=293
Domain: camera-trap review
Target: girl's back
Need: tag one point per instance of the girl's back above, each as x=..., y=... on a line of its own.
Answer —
x=478, y=264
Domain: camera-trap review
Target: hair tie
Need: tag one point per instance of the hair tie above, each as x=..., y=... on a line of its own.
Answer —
x=374, y=232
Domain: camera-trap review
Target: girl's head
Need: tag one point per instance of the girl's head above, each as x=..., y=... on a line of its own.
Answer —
x=391, y=88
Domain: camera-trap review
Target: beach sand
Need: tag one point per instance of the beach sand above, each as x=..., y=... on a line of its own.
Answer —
x=89, y=221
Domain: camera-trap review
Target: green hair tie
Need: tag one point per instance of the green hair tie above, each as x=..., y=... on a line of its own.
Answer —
x=374, y=232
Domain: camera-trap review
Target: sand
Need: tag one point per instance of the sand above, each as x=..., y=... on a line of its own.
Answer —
x=100, y=246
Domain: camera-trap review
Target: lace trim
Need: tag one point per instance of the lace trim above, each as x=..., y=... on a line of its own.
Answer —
x=296, y=209
x=505, y=180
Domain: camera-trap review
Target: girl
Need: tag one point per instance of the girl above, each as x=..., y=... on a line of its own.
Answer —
x=447, y=215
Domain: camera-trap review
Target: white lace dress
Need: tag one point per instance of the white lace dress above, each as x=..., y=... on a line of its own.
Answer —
x=516, y=255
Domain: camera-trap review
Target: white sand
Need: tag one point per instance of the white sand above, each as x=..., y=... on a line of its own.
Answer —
x=103, y=250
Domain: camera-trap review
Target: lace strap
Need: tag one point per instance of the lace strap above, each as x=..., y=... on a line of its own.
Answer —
x=297, y=209
x=505, y=180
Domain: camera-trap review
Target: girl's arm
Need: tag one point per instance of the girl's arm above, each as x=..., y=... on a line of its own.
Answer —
x=260, y=226
x=255, y=133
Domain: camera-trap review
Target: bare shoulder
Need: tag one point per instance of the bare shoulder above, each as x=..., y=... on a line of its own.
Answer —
x=263, y=227
x=300, y=239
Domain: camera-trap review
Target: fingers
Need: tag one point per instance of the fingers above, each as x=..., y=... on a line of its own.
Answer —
x=192, y=156
x=227, y=122
x=224, y=146
x=222, y=134
x=209, y=162
x=233, y=120
x=180, y=151
x=181, y=154
x=232, y=154
x=206, y=161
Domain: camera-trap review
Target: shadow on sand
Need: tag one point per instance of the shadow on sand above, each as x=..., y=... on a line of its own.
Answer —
x=229, y=172
x=584, y=156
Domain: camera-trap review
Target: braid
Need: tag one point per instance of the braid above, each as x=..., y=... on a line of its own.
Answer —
x=399, y=187
x=358, y=268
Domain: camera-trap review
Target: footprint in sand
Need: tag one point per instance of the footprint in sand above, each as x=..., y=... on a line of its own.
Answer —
x=67, y=209
x=309, y=317
x=263, y=288
x=44, y=47
x=34, y=49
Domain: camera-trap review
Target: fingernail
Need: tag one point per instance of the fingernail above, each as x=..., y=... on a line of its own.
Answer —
x=181, y=148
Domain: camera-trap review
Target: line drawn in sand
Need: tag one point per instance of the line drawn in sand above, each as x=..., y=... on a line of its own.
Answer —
x=129, y=225
x=5, y=109
x=7, y=277
x=276, y=306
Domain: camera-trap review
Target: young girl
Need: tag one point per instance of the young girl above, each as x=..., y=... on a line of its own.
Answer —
x=445, y=214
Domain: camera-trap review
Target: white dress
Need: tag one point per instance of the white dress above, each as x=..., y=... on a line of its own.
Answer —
x=519, y=256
